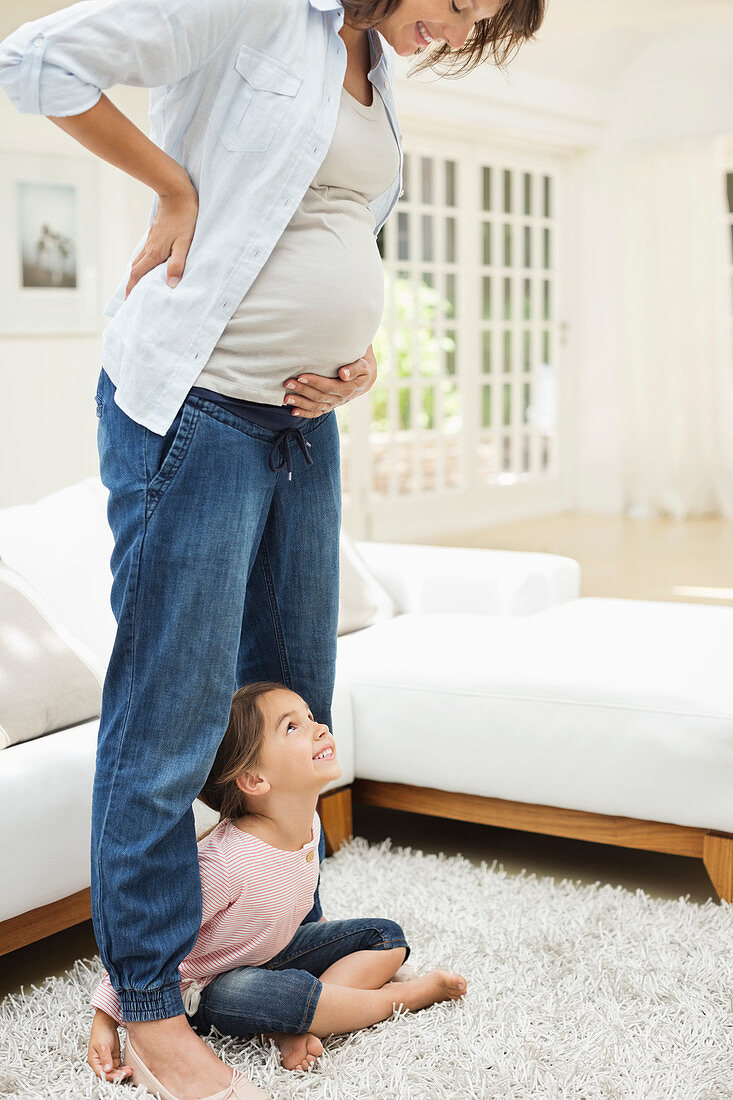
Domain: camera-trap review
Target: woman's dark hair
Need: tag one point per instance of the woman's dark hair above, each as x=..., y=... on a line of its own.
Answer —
x=239, y=751
x=496, y=39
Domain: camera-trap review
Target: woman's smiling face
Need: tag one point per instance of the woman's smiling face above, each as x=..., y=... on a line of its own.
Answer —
x=415, y=22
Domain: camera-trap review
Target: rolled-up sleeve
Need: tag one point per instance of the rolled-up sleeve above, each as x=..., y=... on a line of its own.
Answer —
x=59, y=65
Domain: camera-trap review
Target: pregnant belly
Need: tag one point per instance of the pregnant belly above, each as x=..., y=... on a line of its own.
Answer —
x=318, y=300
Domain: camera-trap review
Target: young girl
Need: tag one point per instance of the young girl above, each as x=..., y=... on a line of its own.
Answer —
x=255, y=968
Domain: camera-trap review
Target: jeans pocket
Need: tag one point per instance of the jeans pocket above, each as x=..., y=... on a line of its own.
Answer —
x=98, y=393
x=164, y=455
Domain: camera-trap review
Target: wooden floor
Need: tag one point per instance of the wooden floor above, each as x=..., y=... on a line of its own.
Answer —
x=637, y=559
x=633, y=559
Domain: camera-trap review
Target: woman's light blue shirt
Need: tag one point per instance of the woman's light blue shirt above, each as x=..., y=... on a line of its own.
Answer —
x=245, y=95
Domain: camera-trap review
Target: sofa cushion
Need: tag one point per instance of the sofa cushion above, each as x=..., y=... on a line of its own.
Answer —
x=45, y=818
x=48, y=680
x=444, y=580
x=362, y=599
x=620, y=707
x=62, y=545
x=75, y=580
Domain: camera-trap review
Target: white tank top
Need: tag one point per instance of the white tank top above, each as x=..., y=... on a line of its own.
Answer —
x=317, y=302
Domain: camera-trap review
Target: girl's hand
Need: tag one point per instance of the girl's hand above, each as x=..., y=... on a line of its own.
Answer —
x=103, y=1054
x=314, y=394
x=169, y=236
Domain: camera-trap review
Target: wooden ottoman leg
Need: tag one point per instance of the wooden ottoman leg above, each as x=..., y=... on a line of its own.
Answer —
x=334, y=810
x=717, y=855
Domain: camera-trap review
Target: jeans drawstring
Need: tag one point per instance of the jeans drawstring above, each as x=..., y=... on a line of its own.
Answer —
x=282, y=444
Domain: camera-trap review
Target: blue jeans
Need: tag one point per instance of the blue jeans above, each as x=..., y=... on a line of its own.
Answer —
x=282, y=994
x=224, y=572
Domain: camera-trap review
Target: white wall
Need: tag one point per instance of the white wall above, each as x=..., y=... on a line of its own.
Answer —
x=649, y=343
x=668, y=113
x=680, y=88
x=47, y=383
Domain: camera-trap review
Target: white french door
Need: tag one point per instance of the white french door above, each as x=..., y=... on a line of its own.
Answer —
x=462, y=428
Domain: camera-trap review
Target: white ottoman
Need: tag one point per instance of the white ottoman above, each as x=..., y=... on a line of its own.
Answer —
x=609, y=707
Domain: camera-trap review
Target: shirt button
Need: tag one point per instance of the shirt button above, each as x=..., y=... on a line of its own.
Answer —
x=309, y=857
x=38, y=41
x=257, y=252
x=386, y=85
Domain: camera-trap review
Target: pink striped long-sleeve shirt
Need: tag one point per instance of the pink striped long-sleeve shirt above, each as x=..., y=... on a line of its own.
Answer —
x=254, y=899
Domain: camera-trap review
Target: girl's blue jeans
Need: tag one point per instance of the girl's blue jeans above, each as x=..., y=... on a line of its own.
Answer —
x=224, y=571
x=282, y=994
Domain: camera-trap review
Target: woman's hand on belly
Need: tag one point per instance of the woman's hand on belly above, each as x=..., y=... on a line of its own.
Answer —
x=313, y=395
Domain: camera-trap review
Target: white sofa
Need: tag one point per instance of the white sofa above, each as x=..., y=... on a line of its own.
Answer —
x=495, y=694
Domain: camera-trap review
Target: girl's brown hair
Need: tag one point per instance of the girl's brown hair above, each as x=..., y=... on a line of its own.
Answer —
x=496, y=39
x=239, y=751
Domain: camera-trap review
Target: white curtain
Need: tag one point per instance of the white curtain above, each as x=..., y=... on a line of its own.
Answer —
x=676, y=313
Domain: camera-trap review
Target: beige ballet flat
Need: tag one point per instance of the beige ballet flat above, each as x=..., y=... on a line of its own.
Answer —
x=239, y=1088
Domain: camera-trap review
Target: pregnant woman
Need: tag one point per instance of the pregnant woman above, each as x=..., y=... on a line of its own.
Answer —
x=244, y=318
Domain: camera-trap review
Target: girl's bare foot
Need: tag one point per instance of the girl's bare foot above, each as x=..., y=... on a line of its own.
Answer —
x=345, y=1008
x=438, y=985
x=297, y=1051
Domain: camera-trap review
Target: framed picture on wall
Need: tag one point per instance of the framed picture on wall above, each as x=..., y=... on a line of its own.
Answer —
x=49, y=263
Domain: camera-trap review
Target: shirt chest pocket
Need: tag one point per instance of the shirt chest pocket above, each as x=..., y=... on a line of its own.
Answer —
x=256, y=95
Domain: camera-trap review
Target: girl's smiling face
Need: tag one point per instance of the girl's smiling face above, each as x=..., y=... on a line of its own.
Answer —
x=299, y=753
x=417, y=22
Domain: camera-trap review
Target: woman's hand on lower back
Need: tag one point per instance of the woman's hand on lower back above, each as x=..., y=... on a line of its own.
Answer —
x=169, y=236
x=110, y=134
x=314, y=394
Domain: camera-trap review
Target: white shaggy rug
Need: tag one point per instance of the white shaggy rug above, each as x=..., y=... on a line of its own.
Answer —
x=574, y=993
